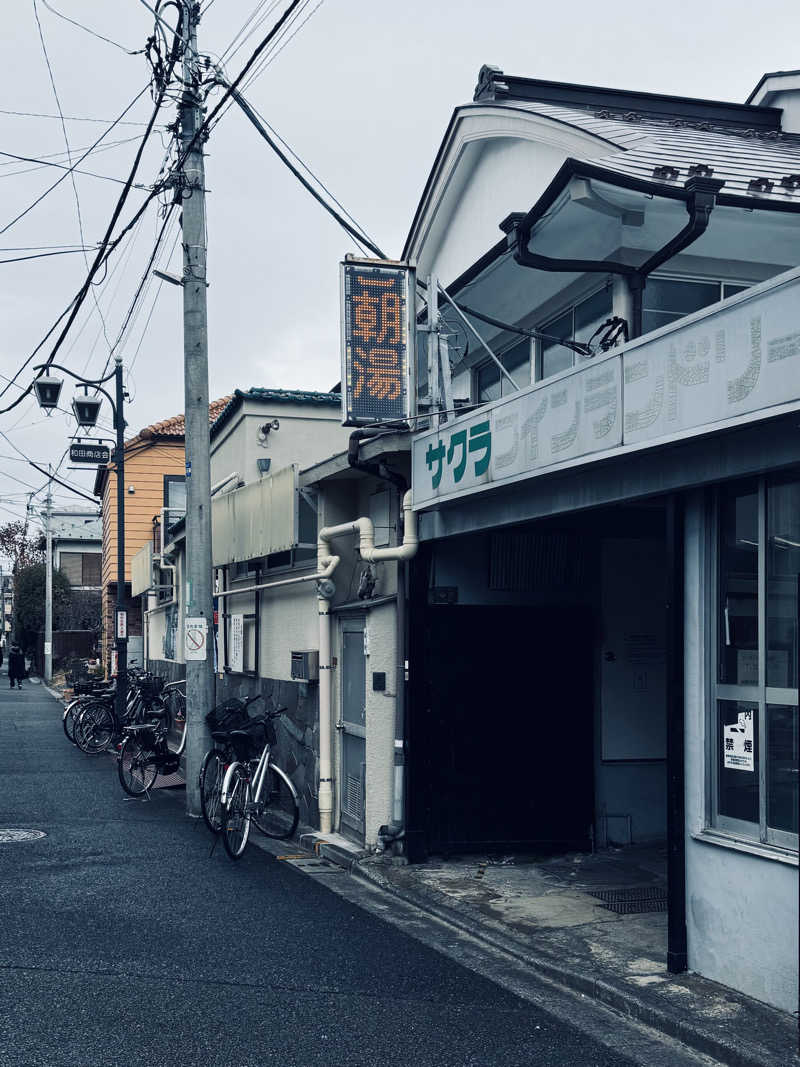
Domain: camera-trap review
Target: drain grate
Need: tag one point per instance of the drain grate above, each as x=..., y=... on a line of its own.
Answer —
x=632, y=901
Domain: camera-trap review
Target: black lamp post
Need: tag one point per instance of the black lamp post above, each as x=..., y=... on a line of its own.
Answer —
x=86, y=409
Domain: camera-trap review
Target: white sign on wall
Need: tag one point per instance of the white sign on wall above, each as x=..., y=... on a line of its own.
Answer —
x=236, y=650
x=195, y=638
x=737, y=738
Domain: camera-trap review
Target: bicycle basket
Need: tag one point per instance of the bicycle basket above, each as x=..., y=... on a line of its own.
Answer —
x=150, y=687
x=229, y=715
x=170, y=764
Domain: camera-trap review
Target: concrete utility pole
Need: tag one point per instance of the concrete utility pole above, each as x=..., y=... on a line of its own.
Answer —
x=48, y=591
x=199, y=607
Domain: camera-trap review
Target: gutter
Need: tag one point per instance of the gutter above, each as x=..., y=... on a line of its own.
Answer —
x=701, y=195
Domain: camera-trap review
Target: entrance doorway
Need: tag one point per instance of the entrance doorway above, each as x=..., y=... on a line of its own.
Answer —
x=506, y=728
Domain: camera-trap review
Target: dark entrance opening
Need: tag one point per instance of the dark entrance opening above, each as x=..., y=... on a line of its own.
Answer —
x=505, y=726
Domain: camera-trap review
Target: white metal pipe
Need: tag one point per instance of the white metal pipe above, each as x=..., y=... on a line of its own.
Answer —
x=215, y=488
x=366, y=533
x=321, y=572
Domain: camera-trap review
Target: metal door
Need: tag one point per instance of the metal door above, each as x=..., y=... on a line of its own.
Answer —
x=352, y=726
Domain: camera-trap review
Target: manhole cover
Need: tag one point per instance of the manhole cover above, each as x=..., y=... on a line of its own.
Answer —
x=10, y=837
x=633, y=901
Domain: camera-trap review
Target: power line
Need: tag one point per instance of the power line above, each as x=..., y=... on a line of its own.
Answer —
x=67, y=118
x=71, y=170
x=39, y=199
x=106, y=245
x=42, y=163
x=99, y=36
x=43, y=255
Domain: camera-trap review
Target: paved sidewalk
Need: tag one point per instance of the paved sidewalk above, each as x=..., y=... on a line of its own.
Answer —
x=543, y=914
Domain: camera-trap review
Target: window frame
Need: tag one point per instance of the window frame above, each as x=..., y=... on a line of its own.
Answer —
x=760, y=696
x=568, y=308
x=485, y=364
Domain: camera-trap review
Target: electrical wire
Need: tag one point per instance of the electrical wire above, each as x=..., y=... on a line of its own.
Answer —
x=71, y=170
x=67, y=118
x=99, y=36
x=43, y=255
x=41, y=164
x=39, y=199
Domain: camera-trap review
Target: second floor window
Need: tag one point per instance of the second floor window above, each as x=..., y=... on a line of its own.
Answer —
x=490, y=384
x=81, y=568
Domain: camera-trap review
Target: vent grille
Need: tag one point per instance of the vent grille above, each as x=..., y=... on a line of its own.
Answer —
x=522, y=560
x=353, y=797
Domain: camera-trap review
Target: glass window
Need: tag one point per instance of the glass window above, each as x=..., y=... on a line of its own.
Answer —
x=666, y=300
x=738, y=584
x=577, y=324
x=490, y=384
x=555, y=357
x=783, y=565
x=756, y=697
x=91, y=568
x=782, y=767
x=69, y=563
x=174, y=497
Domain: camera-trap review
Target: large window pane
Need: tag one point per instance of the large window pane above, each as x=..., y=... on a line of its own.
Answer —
x=738, y=760
x=592, y=313
x=488, y=383
x=665, y=300
x=782, y=767
x=555, y=357
x=738, y=586
x=783, y=564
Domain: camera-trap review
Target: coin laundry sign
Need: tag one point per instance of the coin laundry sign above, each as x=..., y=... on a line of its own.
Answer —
x=377, y=331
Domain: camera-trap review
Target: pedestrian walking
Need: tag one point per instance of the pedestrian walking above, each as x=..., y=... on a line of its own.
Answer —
x=16, y=666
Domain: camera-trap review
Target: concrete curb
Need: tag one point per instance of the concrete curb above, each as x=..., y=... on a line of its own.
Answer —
x=734, y=1052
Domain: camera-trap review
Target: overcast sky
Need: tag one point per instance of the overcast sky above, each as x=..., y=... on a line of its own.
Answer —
x=363, y=93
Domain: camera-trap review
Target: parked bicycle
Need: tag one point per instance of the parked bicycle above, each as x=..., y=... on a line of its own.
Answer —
x=97, y=725
x=230, y=715
x=145, y=752
x=256, y=789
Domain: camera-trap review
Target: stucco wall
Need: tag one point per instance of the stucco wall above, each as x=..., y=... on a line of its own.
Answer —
x=741, y=908
x=307, y=434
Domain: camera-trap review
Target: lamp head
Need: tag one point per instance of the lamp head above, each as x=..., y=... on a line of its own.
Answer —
x=86, y=409
x=48, y=390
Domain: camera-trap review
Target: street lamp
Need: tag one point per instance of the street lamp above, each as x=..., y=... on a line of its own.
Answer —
x=86, y=408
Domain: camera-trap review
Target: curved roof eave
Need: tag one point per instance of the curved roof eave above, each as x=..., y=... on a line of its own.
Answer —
x=572, y=168
x=447, y=140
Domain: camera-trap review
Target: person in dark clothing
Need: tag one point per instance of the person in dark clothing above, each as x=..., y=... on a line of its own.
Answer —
x=16, y=666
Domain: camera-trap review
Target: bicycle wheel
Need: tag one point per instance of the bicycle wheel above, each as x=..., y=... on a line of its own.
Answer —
x=95, y=728
x=212, y=773
x=236, y=816
x=137, y=767
x=278, y=812
x=71, y=712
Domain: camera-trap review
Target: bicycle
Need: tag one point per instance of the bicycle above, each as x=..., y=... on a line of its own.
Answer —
x=145, y=753
x=97, y=725
x=259, y=791
x=222, y=720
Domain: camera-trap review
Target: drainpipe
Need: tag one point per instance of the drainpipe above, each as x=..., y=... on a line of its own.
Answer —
x=365, y=530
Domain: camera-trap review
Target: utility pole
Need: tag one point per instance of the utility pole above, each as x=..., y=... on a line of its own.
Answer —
x=199, y=608
x=48, y=592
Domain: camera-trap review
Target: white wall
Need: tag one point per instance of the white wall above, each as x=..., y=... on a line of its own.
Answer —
x=308, y=434
x=741, y=908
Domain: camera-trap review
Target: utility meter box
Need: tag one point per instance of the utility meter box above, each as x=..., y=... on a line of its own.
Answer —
x=305, y=666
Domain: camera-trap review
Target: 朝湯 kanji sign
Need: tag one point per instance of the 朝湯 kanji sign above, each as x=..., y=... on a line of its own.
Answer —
x=377, y=331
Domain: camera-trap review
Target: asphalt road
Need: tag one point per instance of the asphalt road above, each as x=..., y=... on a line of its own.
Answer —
x=125, y=940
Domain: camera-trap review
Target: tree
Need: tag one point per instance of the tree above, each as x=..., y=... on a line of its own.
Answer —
x=17, y=546
x=29, y=597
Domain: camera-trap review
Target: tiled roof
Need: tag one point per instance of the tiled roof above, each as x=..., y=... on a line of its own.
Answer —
x=272, y=396
x=737, y=156
x=176, y=425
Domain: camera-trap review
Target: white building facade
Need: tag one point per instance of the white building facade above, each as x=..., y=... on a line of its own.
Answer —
x=606, y=590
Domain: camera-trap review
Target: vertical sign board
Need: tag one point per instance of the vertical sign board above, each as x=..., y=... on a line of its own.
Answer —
x=237, y=644
x=122, y=625
x=377, y=340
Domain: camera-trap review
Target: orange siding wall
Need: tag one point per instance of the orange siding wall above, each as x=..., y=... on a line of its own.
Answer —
x=145, y=472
